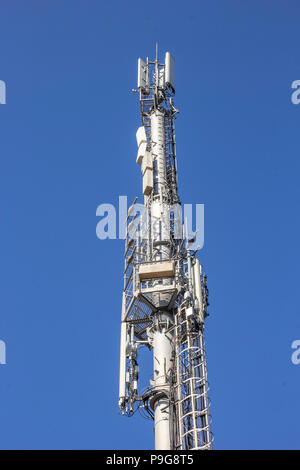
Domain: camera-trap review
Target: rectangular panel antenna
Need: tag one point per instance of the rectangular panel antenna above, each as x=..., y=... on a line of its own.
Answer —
x=143, y=81
x=170, y=71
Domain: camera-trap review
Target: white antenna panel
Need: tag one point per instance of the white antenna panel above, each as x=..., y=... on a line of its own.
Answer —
x=170, y=71
x=141, y=153
x=141, y=136
x=142, y=74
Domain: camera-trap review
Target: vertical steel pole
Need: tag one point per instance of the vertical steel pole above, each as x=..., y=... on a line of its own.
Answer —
x=162, y=342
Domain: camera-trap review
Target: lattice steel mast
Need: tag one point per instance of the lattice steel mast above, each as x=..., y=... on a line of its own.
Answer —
x=165, y=296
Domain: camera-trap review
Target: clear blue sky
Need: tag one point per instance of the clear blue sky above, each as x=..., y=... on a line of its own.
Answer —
x=68, y=144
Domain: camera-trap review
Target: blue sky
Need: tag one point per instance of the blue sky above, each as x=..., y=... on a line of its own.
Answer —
x=67, y=144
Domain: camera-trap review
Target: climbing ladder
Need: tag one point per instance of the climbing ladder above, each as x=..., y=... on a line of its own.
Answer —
x=190, y=386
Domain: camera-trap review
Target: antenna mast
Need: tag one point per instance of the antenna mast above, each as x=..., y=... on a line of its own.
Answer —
x=165, y=296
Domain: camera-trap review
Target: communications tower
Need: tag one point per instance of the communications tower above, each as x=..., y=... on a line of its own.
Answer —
x=165, y=295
